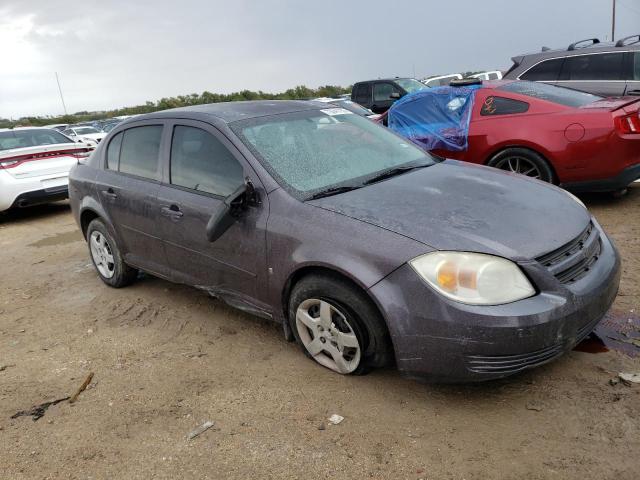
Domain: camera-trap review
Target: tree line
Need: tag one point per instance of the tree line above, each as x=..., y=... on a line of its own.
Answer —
x=297, y=93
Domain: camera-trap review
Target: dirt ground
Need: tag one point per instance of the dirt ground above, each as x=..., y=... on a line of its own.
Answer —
x=167, y=358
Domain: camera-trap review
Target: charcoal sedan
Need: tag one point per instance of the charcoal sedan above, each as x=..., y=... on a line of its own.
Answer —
x=366, y=249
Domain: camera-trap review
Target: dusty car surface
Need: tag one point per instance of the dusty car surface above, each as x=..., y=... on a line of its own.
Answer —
x=365, y=249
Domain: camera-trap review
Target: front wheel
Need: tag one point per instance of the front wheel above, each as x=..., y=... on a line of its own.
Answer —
x=523, y=161
x=106, y=256
x=338, y=326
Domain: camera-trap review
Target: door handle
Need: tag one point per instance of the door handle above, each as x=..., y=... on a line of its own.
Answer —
x=633, y=92
x=171, y=211
x=110, y=193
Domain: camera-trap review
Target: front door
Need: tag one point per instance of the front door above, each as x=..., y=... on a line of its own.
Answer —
x=128, y=187
x=202, y=169
x=633, y=84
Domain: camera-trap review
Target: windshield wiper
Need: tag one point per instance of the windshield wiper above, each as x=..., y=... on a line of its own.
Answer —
x=393, y=172
x=333, y=191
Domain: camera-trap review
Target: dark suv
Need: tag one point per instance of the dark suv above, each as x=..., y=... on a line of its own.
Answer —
x=379, y=95
x=606, y=69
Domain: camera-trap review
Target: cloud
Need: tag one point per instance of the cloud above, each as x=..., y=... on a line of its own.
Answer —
x=115, y=53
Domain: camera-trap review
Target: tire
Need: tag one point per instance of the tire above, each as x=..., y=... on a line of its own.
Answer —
x=523, y=161
x=106, y=258
x=352, y=317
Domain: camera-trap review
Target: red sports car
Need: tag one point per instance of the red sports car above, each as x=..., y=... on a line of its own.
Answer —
x=577, y=140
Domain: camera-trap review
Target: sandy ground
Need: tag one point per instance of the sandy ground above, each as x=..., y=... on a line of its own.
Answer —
x=168, y=358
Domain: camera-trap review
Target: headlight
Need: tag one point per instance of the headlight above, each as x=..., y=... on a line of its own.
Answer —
x=473, y=278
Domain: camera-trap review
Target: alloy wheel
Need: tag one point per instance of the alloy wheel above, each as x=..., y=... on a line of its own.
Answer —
x=102, y=254
x=519, y=165
x=327, y=335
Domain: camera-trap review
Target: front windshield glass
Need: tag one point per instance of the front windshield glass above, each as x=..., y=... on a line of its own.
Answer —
x=410, y=85
x=30, y=137
x=85, y=130
x=313, y=151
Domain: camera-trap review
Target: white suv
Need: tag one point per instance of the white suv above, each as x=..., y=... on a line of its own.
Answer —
x=35, y=164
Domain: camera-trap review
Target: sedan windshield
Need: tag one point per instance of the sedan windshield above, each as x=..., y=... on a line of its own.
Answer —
x=31, y=137
x=324, y=150
x=410, y=85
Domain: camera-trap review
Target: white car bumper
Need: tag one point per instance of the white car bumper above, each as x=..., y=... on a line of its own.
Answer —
x=32, y=190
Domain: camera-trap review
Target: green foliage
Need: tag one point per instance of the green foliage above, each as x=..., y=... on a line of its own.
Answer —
x=297, y=93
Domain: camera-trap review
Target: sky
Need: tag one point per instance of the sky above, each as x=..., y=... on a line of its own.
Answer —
x=115, y=53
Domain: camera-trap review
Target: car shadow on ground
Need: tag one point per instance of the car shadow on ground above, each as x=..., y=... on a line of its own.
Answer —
x=606, y=199
x=37, y=212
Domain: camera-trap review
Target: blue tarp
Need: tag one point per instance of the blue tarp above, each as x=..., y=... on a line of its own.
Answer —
x=435, y=118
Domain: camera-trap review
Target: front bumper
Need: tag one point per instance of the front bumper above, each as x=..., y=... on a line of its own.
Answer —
x=445, y=341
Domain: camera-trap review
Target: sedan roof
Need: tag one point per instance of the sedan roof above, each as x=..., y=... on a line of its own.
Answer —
x=232, y=111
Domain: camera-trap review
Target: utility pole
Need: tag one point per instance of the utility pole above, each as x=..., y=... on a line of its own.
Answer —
x=613, y=22
x=62, y=98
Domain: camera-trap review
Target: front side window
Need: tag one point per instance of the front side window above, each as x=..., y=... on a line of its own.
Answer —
x=546, y=71
x=382, y=92
x=493, y=105
x=311, y=151
x=551, y=93
x=85, y=130
x=201, y=162
x=139, y=151
x=603, y=66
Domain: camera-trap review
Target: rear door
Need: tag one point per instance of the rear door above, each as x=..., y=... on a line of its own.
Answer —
x=633, y=83
x=598, y=73
x=128, y=187
x=202, y=169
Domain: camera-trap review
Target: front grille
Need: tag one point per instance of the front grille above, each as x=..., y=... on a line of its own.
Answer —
x=511, y=363
x=573, y=261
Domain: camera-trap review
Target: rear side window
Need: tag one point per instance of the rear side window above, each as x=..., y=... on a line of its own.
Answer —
x=546, y=71
x=502, y=106
x=201, y=162
x=361, y=93
x=139, y=151
x=550, y=93
x=113, y=152
x=636, y=66
x=603, y=66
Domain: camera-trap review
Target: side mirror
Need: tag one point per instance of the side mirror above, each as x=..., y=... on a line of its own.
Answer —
x=395, y=95
x=230, y=211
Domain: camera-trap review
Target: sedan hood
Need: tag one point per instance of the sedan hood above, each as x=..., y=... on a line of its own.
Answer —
x=461, y=206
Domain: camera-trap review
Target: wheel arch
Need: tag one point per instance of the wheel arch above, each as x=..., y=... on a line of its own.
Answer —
x=86, y=217
x=526, y=146
x=330, y=271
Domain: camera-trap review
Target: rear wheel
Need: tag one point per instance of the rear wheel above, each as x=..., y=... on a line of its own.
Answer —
x=338, y=326
x=106, y=256
x=523, y=161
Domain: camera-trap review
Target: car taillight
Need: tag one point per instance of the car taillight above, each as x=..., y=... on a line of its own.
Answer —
x=628, y=123
x=12, y=162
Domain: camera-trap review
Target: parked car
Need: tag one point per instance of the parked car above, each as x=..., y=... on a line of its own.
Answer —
x=441, y=80
x=492, y=75
x=349, y=105
x=34, y=166
x=379, y=95
x=606, y=69
x=360, y=244
x=84, y=133
x=575, y=139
